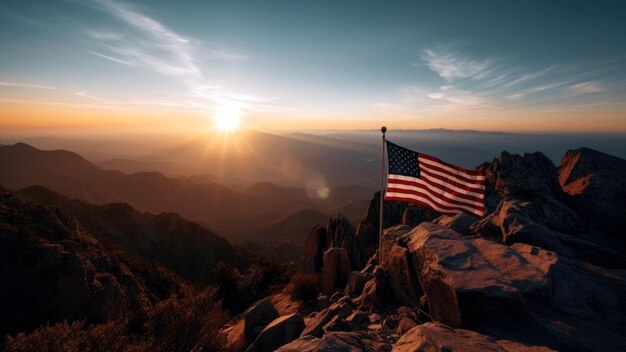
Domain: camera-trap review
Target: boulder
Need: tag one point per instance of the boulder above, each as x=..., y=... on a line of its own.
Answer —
x=377, y=292
x=356, y=282
x=595, y=181
x=359, y=317
x=460, y=223
x=439, y=337
x=278, y=333
x=365, y=244
x=331, y=341
x=463, y=288
x=314, y=247
x=397, y=263
x=258, y=317
x=526, y=277
x=335, y=270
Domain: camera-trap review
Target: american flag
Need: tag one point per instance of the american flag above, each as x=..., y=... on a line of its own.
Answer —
x=425, y=180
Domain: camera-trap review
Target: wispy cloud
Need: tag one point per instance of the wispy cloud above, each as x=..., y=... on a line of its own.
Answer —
x=147, y=44
x=25, y=85
x=450, y=66
x=498, y=84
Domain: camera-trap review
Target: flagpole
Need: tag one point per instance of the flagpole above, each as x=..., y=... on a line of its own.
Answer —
x=382, y=196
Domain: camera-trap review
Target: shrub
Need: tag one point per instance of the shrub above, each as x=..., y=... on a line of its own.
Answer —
x=190, y=323
x=305, y=287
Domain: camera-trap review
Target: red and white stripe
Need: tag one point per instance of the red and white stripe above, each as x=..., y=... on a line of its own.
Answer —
x=445, y=188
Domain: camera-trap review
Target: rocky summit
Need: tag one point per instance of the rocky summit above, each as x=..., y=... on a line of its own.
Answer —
x=544, y=270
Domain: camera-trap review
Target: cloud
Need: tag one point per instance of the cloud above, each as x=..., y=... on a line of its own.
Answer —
x=586, y=88
x=145, y=43
x=450, y=66
x=25, y=85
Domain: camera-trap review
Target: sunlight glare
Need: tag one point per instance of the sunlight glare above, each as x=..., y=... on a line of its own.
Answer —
x=227, y=119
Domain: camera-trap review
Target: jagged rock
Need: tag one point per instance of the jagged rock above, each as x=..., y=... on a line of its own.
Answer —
x=416, y=214
x=315, y=242
x=278, y=333
x=356, y=282
x=365, y=243
x=438, y=337
x=314, y=247
x=341, y=309
x=595, y=180
x=524, y=177
x=314, y=327
x=335, y=270
x=332, y=341
x=526, y=277
x=377, y=292
x=339, y=230
x=460, y=223
x=397, y=263
x=323, y=302
x=359, y=317
x=544, y=210
x=463, y=288
x=306, y=343
x=405, y=324
x=257, y=318
x=337, y=324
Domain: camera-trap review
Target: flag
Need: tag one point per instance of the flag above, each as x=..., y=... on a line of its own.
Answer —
x=422, y=179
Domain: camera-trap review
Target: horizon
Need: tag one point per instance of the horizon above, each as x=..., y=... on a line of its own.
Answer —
x=122, y=67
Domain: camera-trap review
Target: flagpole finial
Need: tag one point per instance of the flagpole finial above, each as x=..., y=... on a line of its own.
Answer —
x=383, y=129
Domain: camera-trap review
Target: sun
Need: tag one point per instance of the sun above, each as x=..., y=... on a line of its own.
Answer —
x=227, y=119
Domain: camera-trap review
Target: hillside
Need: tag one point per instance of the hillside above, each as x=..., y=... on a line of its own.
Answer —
x=52, y=269
x=168, y=239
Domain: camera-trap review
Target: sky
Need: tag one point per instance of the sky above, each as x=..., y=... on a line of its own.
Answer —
x=104, y=65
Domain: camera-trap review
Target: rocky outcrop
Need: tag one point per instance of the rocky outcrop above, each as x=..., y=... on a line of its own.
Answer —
x=522, y=176
x=439, y=337
x=463, y=288
x=595, y=181
x=314, y=247
x=257, y=317
x=397, y=262
x=278, y=333
x=335, y=270
x=377, y=293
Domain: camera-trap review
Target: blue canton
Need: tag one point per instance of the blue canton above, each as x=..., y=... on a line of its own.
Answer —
x=402, y=161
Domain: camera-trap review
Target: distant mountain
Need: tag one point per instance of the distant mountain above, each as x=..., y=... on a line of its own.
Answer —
x=53, y=269
x=353, y=211
x=294, y=228
x=232, y=214
x=173, y=242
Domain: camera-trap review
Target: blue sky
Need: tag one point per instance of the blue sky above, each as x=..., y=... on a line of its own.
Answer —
x=318, y=61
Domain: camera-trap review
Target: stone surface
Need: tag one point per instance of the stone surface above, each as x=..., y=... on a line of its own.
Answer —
x=460, y=223
x=526, y=277
x=314, y=247
x=377, y=292
x=257, y=317
x=397, y=263
x=463, y=288
x=439, y=337
x=278, y=333
x=335, y=270
x=356, y=282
